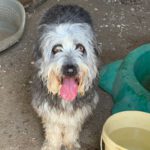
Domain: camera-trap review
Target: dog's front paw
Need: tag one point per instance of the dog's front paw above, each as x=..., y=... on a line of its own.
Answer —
x=74, y=146
x=48, y=146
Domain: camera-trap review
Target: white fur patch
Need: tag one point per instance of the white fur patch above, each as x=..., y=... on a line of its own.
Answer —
x=69, y=117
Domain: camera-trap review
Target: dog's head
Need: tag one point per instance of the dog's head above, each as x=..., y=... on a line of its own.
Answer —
x=68, y=63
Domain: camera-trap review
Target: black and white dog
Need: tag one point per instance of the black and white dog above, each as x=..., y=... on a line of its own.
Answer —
x=63, y=88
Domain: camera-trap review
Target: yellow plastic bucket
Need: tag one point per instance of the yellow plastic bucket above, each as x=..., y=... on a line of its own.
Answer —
x=120, y=121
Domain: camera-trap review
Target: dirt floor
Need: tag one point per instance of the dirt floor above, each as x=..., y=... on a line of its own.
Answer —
x=120, y=25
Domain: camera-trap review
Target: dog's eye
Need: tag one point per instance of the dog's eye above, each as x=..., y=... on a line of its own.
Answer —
x=80, y=47
x=57, y=48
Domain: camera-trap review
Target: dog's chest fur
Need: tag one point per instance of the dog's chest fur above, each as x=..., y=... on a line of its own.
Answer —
x=54, y=109
x=67, y=117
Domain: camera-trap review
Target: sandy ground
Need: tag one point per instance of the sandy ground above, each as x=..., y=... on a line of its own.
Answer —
x=120, y=27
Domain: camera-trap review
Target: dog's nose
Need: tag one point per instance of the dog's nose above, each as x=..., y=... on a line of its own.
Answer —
x=69, y=70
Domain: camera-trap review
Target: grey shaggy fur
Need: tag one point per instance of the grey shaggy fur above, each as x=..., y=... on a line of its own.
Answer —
x=47, y=104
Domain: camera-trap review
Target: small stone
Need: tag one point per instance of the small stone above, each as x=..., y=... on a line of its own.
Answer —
x=113, y=49
x=96, y=9
x=33, y=139
x=118, y=26
x=30, y=82
x=123, y=25
x=2, y=87
x=32, y=62
x=132, y=9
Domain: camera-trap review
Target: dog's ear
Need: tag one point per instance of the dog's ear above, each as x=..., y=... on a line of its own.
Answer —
x=36, y=51
x=97, y=49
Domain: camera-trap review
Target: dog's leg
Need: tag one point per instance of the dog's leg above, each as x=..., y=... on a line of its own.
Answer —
x=53, y=137
x=70, y=138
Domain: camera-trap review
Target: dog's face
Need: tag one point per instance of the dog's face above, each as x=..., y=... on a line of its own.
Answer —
x=69, y=63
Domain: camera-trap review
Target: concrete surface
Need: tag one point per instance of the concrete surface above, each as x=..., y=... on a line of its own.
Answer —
x=120, y=27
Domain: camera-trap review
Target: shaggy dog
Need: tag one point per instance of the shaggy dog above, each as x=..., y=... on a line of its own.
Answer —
x=64, y=94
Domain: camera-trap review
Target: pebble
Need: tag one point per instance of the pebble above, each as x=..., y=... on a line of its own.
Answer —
x=132, y=9
x=2, y=87
x=33, y=139
x=96, y=9
x=32, y=62
x=30, y=82
x=118, y=26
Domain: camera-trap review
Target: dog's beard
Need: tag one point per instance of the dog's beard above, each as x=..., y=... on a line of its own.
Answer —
x=68, y=88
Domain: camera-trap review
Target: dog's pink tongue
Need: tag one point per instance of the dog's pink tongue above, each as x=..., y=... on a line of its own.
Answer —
x=69, y=89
